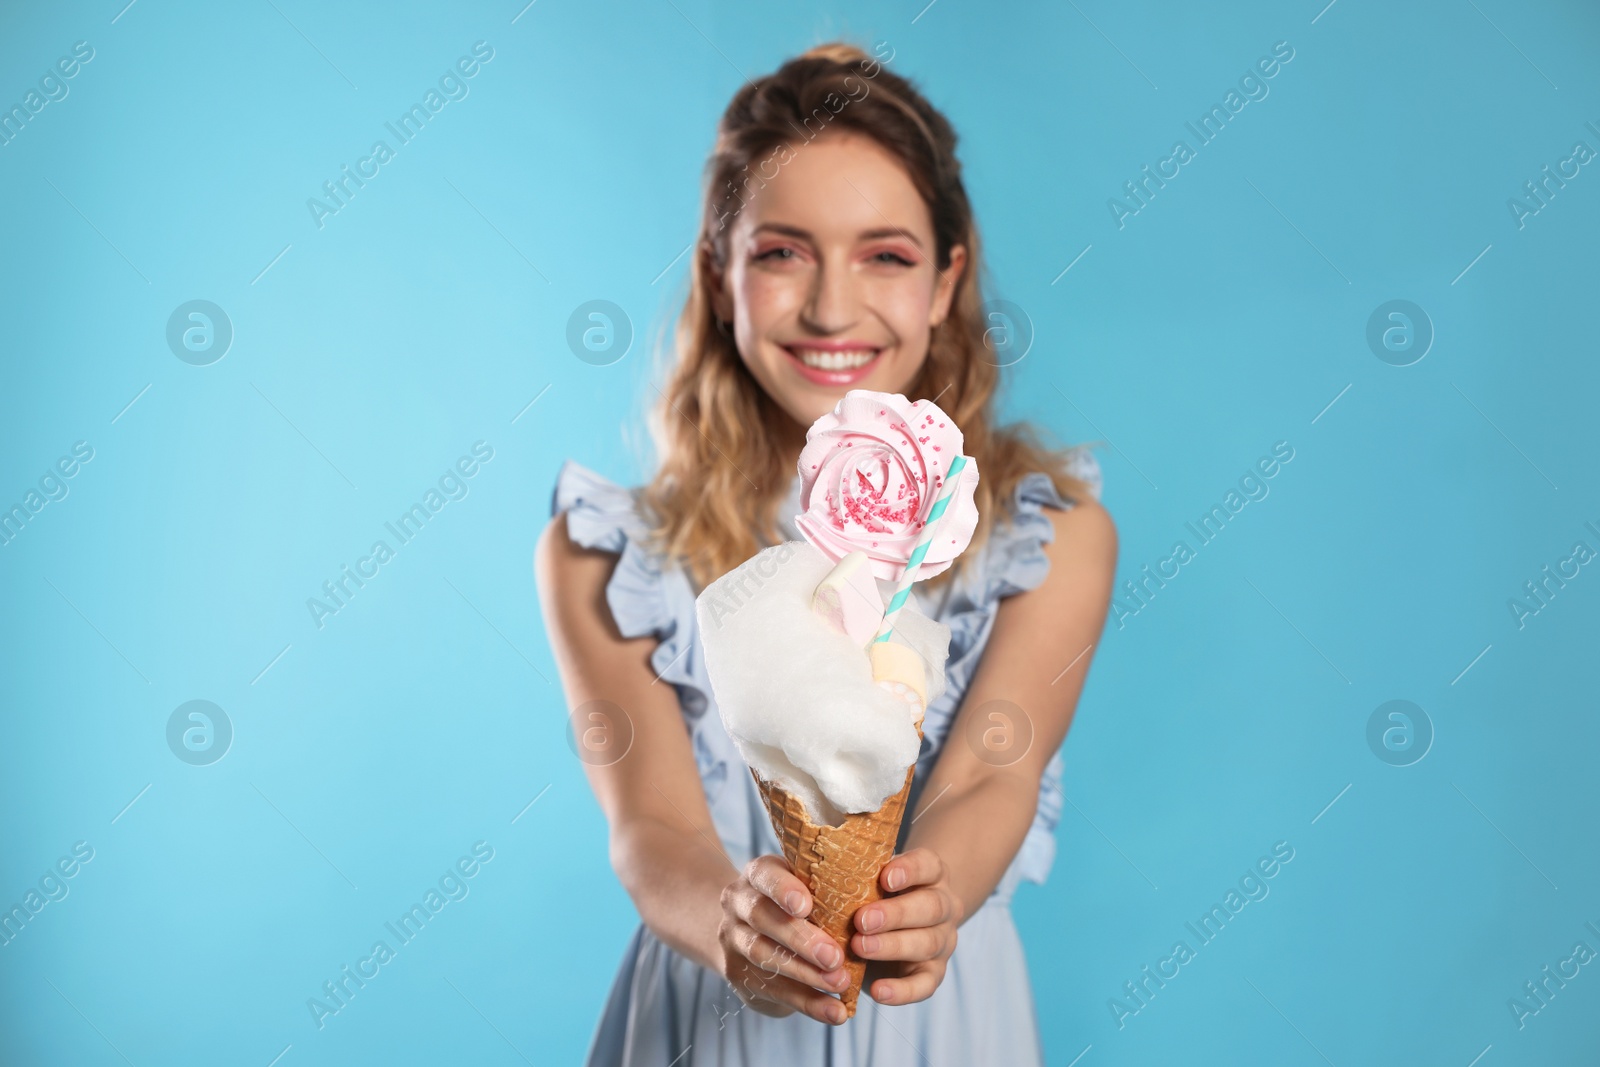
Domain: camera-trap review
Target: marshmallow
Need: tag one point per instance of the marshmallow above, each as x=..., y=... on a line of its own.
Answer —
x=849, y=600
x=899, y=665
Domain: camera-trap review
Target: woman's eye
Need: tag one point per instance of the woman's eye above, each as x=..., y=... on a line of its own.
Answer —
x=776, y=254
x=891, y=257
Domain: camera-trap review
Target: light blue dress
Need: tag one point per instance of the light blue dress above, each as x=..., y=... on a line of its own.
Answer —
x=664, y=1010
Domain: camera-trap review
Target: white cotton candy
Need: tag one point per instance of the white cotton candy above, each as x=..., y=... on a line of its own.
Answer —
x=797, y=696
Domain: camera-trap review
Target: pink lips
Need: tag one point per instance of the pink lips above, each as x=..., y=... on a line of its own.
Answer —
x=819, y=376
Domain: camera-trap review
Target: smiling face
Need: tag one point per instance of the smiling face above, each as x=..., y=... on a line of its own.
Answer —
x=831, y=280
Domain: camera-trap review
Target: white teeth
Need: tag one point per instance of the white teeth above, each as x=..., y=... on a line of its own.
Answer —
x=835, y=360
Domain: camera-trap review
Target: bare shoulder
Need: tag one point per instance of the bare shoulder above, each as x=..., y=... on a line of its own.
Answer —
x=1086, y=538
x=567, y=571
x=555, y=543
x=1069, y=604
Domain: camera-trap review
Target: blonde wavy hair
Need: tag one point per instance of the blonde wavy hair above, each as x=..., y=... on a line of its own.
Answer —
x=722, y=473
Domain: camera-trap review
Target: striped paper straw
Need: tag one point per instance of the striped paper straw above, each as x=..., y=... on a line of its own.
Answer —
x=902, y=591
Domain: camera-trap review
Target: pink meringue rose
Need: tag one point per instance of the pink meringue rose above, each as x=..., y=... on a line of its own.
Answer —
x=870, y=473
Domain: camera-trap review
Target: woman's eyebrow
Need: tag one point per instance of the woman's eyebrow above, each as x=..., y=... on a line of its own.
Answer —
x=891, y=231
x=864, y=235
x=785, y=229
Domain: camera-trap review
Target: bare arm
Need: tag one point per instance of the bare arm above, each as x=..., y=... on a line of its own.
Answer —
x=983, y=791
x=663, y=844
x=1034, y=667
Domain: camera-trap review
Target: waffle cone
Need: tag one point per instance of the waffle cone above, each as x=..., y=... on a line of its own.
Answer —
x=840, y=864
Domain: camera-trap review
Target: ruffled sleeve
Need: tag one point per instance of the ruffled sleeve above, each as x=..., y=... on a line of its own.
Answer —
x=647, y=597
x=1018, y=562
x=651, y=597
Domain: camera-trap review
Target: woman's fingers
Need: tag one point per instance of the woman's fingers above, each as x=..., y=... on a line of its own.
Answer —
x=804, y=940
x=920, y=907
x=788, y=995
x=775, y=959
x=763, y=984
x=919, y=866
x=922, y=943
x=773, y=877
x=912, y=932
x=918, y=983
x=772, y=956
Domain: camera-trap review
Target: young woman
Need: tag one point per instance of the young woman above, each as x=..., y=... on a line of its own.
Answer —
x=837, y=250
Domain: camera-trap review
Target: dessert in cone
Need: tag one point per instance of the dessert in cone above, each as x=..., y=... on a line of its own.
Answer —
x=887, y=496
x=840, y=864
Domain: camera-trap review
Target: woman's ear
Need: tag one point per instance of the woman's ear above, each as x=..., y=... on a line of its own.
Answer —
x=717, y=287
x=945, y=291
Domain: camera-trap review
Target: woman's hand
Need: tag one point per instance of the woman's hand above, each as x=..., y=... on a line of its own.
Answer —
x=910, y=935
x=775, y=960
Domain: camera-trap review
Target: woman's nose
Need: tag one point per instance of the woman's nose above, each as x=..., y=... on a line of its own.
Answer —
x=833, y=305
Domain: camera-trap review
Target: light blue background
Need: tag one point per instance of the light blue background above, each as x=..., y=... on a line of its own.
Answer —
x=1226, y=316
